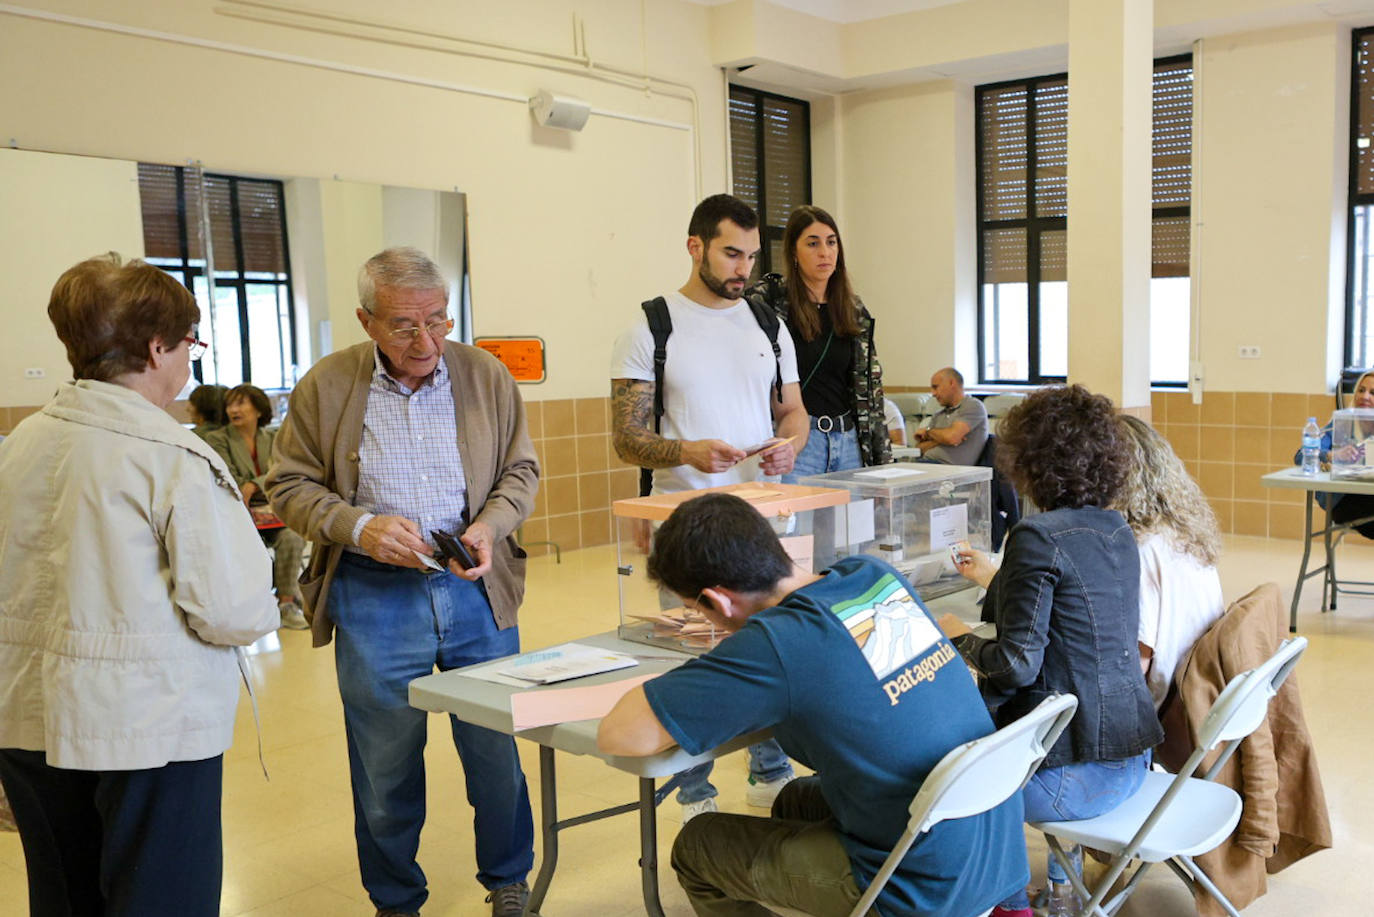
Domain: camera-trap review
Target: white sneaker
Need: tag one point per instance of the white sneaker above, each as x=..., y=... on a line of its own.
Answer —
x=761, y=793
x=691, y=810
x=292, y=618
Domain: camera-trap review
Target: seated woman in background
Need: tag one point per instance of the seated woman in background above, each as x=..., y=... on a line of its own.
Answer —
x=205, y=409
x=246, y=446
x=1176, y=530
x=841, y=378
x=1347, y=507
x=1066, y=603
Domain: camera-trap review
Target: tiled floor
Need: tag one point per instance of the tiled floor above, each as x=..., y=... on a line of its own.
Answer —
x=289, y=846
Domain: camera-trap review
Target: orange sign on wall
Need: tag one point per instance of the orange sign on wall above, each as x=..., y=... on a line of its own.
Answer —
x=524, y=357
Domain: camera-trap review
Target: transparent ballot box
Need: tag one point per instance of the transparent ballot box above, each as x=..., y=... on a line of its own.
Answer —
x=909, y=514
x=1352, y=444
x=810, y=521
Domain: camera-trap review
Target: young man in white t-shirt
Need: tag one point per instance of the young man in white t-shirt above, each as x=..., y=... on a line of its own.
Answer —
x=718, y=403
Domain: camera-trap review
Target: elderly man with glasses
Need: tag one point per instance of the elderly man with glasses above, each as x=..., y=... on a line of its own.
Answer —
x=385, y=444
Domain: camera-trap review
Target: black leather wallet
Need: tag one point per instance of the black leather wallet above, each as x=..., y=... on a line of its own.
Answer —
x=450, y=548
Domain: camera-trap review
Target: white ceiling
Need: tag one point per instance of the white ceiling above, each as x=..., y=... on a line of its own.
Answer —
x=850, y=10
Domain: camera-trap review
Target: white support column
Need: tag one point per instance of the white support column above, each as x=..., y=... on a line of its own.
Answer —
x=1110, y=105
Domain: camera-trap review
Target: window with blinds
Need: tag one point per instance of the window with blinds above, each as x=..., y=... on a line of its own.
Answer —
x=250, y=323
x=1023, y=199
x=770, y=155
x=1359, y=337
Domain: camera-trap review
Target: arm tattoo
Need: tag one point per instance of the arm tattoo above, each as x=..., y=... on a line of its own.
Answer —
x=632, y=416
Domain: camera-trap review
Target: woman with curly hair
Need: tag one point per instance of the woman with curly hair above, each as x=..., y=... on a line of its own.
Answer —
x=841, y=378
x=1176, y=532
x=1066, y=603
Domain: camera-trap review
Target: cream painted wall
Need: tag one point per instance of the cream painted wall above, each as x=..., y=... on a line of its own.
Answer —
x=1272, y=186
x=54, y=212
x=908, y=223
x=351, y=213
x=569, y=232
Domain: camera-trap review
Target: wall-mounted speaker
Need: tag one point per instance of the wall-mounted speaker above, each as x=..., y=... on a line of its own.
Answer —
x=549, y=110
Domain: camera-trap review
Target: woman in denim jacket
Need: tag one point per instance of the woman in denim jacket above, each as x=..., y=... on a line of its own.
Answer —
x=1066, y=606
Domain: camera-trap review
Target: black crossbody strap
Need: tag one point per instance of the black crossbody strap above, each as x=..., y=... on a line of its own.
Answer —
x=660, y=326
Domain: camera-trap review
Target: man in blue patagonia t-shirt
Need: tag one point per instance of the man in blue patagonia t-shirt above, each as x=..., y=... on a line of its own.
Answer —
x=856, y=682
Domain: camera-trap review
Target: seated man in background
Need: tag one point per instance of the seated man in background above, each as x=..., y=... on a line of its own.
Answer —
x=896, y=423
x=855, y=680
x=959, y=430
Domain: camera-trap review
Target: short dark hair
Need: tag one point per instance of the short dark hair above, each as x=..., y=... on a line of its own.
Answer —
x=256, y=397
x=108, y=313
x=208, y=400
x=705, y=223
x=717, y=540
x=1064, y=447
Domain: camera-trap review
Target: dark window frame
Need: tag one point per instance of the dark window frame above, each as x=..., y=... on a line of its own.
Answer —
x=1035, y=225
x=771, y=232
x=187, y=272
x=1355, y=202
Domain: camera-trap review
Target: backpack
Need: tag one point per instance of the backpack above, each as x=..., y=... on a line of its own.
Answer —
x=661, y=326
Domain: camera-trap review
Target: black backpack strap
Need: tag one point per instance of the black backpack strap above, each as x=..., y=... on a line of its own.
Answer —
x=660, y=326
x=768, y=321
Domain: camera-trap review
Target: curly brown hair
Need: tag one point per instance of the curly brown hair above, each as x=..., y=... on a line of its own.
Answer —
x=1064, y=448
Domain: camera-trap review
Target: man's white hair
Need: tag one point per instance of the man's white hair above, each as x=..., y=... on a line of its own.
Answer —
x=402, y=268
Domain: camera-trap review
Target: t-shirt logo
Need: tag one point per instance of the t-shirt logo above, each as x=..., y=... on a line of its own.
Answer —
x=888, y=624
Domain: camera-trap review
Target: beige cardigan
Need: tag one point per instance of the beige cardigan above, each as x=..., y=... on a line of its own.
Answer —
x=313, y=480
x=1274, y=770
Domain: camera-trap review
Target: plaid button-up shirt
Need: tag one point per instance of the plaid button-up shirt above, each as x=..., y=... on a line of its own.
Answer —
x=408, y=463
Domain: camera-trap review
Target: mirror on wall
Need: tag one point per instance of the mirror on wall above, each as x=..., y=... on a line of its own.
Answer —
x=272, y=260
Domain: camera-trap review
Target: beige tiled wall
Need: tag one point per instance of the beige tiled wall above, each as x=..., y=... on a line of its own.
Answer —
x=1227, y=442
x=580, y=474
x=1231, y=440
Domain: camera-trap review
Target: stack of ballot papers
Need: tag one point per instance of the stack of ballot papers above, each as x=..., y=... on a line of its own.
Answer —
x=687, y=626
x=560, y=663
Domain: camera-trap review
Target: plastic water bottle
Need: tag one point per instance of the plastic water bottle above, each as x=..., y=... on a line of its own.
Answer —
x=1311, y=446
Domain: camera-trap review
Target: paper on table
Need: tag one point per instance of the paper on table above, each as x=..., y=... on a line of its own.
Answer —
x=560, y=663
x=550, y=706
x=890, y=471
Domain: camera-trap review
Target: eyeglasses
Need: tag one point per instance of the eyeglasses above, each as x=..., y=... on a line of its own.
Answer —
x=410, y=335
x=198, y=347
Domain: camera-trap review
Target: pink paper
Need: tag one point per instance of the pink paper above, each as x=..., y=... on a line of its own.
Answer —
x=550, y=706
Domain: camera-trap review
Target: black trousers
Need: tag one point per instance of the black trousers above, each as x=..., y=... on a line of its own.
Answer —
x=1355, y=506
x=138, y=843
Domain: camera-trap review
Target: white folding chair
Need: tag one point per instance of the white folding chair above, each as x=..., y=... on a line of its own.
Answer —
x=1175, y=817
x=970, y=779
x=998, y=405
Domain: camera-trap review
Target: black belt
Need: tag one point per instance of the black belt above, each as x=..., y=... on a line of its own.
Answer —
x=827, y=423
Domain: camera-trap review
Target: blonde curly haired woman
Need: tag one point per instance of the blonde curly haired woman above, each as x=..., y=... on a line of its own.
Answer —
x=1179, y=541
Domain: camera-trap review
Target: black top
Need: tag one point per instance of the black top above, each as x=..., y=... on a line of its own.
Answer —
x=1067, y=606
x=830, y=389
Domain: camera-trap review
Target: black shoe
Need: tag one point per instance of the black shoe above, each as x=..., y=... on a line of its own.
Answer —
x=509, y=900
x=388, y=912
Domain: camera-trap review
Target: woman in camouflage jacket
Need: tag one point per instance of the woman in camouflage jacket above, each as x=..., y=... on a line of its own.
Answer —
x=841, y=378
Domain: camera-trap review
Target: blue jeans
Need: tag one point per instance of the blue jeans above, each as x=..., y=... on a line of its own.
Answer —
x=394, y=625
x=823, y=452
x=1083, y=790
x=767, y=762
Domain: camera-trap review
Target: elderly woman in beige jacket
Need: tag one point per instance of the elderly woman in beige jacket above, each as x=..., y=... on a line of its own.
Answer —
x=128, y=573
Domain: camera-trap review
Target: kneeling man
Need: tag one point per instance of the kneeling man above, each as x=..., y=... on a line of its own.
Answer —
x=856, y=682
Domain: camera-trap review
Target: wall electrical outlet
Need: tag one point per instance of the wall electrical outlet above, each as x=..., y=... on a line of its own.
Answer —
x=1249, y=351
x=34, y=372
